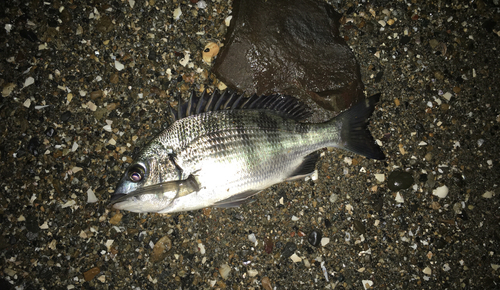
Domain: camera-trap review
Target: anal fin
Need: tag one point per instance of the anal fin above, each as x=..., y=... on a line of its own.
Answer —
x=306, y=167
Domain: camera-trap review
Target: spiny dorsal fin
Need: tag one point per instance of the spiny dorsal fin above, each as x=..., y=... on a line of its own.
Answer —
x=284, y=105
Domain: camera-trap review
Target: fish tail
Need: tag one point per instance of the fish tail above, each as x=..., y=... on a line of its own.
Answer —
x=354, y=133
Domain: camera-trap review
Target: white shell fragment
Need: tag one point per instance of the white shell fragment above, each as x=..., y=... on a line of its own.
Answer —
x=27, y=103
x=380, y=177
x=224, y=271
x=185, y=60
x=177, y=13
x=427, y=271
x=91, y=198
x=29, y=81
x=447, y=96
x=295, y=258
x=201, y=4
x=119, y=66
x=488, y=194
x=367, y=284
x=325, y=241
x=399, y=198
x=252, y=272
x=7, y=89
x=227, y=21
x=201, y=247
x=441, y=191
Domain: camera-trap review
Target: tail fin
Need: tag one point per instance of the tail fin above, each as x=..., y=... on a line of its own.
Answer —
x=354, y=135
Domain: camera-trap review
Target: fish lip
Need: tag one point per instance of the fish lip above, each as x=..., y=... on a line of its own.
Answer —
x=117, y=197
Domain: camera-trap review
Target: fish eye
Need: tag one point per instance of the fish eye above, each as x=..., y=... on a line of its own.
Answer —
x=136, y=173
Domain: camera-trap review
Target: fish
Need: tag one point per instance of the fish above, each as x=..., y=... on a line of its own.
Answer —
x=221, y=149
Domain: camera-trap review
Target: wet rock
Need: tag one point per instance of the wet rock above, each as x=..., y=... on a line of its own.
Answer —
x=314, y=238
x=291, y=47
x=399, y=180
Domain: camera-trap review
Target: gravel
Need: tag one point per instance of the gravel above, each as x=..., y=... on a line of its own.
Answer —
x=85, y=85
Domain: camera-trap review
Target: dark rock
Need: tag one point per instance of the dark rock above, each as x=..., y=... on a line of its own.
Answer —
x=29, y=35
x=50, y=132
x=315, y=237
x=33, y=145
x=489, y=25
x=405, y=39
x=359, y=227
x=288, y=250
x=399, y=180
x=66, y=116
x=291, y=47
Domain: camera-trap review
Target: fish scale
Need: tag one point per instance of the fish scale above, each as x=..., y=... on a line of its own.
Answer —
x=234, y=153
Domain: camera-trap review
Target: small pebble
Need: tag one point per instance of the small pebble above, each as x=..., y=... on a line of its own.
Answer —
x=90, y=274
x=252, y=238
x=268, y=245
x=399, y=180
x=116, y=219
x=314, y=238
x=334, y=197
x=160, y=249
x=359, y=227
x=288, y=250
x=66, y=116
x=210, y=51
x=266, y=283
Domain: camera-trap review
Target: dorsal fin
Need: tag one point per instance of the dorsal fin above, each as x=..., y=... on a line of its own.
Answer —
x=284, y=105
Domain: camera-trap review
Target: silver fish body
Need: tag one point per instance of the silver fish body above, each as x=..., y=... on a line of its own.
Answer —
x=234, y=151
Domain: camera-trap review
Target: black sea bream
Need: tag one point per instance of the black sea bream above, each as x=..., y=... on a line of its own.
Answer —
x=223, y=149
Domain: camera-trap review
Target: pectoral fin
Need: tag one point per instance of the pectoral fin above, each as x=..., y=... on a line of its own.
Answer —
x=236, y=200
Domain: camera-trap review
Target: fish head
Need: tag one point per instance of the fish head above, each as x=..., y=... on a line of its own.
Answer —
x=150, y=183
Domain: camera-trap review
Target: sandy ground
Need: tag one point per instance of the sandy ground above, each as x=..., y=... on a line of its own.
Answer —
x=85, y=85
